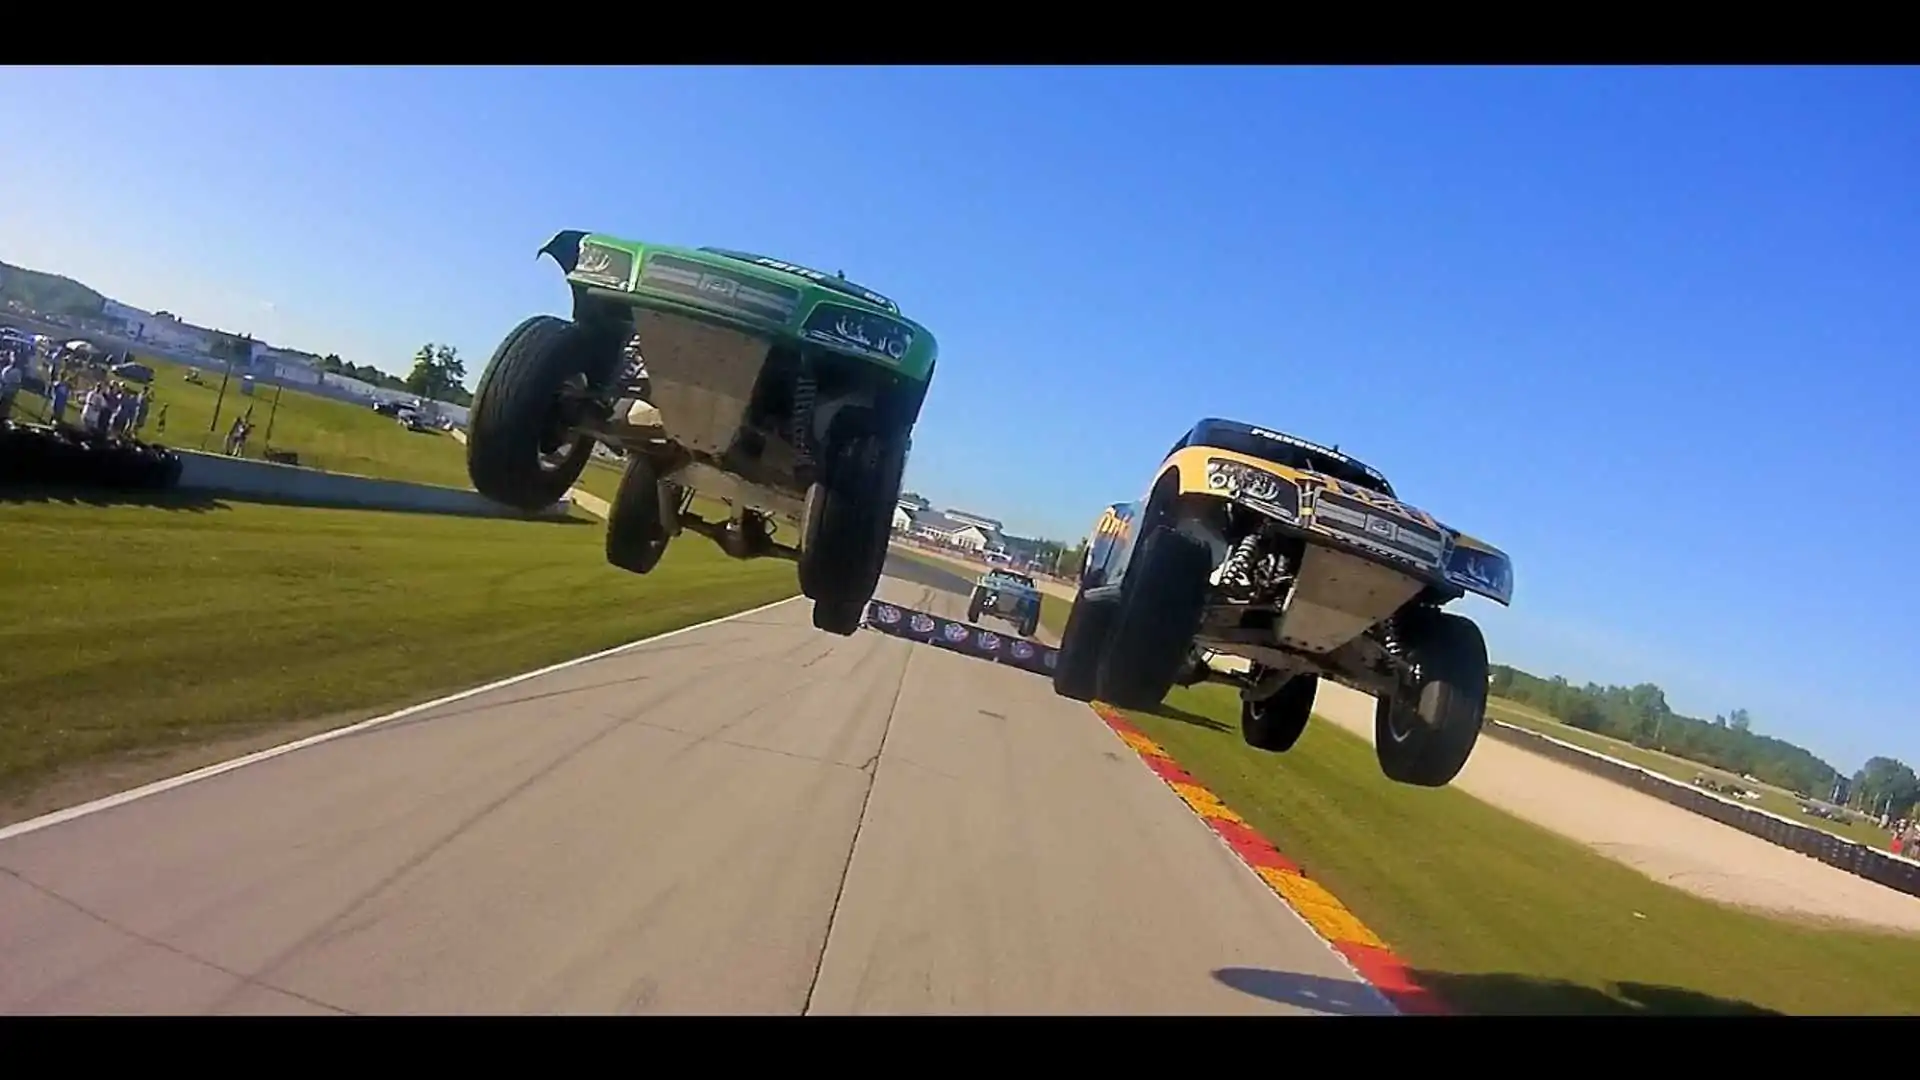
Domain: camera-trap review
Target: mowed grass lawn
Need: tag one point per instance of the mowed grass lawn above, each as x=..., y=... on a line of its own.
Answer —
x=337, y=436
x=134, y=628
x=1498, y=915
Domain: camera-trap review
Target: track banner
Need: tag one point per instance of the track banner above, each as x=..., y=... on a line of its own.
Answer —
x=961, y=637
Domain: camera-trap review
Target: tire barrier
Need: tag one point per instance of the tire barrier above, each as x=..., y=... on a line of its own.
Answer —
x=42, y=457
x=32, y=456
x=961, y=637
x=1880, y=867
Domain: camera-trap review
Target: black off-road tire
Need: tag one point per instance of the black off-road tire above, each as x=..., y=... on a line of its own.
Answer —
x=838, y=616
x=514, y=455
x=1163, y=595
x=849, y=519
x=974, y=605
x=1030, y=624
x=1277, y=723
x=1424, y=733
x=636, y=525
x=1083, y=641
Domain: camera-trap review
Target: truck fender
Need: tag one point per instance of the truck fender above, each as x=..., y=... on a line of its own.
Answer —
x=564, y=249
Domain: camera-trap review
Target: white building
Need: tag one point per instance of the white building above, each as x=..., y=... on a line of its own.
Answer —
x=902, y=519
x=167, y=331
x=945, y=529
x=132, y=320
x=290, y=366
x=990, y=525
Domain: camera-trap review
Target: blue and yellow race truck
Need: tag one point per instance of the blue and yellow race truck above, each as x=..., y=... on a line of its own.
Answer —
x=1303, y=563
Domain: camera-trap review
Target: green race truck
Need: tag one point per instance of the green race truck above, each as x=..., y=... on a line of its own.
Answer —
x=786, y=393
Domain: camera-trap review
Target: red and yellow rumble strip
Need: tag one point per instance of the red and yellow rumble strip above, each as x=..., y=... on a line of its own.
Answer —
x=1369, y=955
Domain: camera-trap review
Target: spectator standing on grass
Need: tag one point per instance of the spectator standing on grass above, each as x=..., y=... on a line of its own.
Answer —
x=140, y=409
x=57, y=401
x=121, y=414
x=160, y=420
x=129, y=410
x=11, y=377
x=93, y=411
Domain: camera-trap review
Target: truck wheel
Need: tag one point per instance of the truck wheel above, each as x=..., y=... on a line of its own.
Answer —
x=518, y=450
x=1425, y=730
x=1029, y=624
x=849, y=518
x=1163, y=595
x=1276, y=723
x=973, y=607
x=636, y=527
x=837, y=616
x=1089, y=626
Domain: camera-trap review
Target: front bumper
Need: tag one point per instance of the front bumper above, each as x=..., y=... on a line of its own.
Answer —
x=1336, y=519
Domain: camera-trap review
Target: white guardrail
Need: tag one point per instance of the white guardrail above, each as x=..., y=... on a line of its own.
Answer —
x=217, y=474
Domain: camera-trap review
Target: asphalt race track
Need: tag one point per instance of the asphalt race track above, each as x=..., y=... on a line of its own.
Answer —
x=751, y=817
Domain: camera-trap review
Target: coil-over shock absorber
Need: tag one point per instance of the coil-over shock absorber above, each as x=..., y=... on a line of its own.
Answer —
x=1395, y=644
x=1236, y=573
x=805, y=390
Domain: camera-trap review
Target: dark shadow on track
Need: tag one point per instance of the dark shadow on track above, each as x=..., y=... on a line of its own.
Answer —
x=1340, y=998
x=189, y=501
x=1506, y=994
x=1182, y=716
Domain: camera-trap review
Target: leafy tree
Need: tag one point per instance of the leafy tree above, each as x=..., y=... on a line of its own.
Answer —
x=1886, y=785
x=1640, y=715
x=437, y=371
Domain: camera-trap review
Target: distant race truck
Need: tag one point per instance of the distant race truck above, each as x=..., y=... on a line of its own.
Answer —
x=1006, y=595
x=1304, y=564
x=784, y=392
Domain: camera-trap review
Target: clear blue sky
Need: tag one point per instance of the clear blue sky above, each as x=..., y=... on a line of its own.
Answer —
x=1655, y=331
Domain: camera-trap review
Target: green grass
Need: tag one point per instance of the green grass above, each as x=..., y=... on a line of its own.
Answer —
x=1054, y=612
x=1500, y=915
x=1677, y=768
x=336, y=436
x=601, y=478
x=135, y=628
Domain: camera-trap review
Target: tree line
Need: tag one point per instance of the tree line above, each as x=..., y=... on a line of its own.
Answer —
x=1640, y=715
x=436, y=374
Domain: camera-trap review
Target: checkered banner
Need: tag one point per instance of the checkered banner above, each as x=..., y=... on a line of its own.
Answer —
x=961, y=637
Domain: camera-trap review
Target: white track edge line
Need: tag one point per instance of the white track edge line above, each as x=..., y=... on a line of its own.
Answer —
x=158, y=786
x=1240, y=861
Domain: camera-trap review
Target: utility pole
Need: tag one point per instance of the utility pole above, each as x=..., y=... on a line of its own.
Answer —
x=232, y=348
x=218, y=401
x=278, y=389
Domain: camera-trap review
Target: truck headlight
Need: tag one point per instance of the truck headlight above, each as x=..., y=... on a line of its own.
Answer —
x=1237, y=480
x=1488, y=573
x=604, y=263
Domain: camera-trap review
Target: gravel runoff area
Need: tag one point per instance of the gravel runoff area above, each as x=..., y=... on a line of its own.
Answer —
x=1669, y=844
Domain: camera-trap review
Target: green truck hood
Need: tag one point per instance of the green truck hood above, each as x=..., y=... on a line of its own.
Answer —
x=804, y=304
